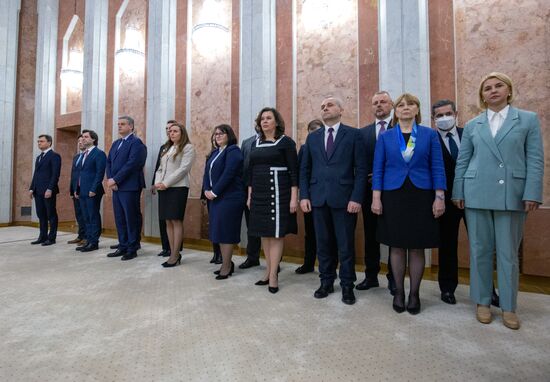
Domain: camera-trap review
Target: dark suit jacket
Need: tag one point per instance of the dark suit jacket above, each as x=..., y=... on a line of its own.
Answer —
x=368, y=133
x=46, y=174
x=157, y=165
x=125, y=165
x=337, y=179
x=75, y=173
x=425, y=169
x=226, y=173
x=246, y=147
x=92, y=173
x=450, y=165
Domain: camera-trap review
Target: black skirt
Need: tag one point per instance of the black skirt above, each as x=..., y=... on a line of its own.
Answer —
x=172, y=203
x=407, y=219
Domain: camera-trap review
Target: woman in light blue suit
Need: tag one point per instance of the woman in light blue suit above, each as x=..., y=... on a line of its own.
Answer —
x=498, y=179
x=408, y=186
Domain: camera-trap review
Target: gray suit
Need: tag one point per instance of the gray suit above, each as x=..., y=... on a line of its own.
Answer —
x=494, y=176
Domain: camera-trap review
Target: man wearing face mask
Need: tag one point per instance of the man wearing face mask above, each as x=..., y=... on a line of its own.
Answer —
x=444, y=115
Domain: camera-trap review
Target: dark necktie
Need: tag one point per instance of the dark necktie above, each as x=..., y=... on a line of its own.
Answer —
x=382, y=127
x=453, y=148
x=330, y=142
x=40, y=157
x=79, y=159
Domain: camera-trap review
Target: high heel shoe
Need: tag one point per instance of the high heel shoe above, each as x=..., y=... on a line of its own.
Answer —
x=223, y=277
x=230, y=272
x=399, y=297
x=413, y=309
x=273, y=289
x=166, y=264
x=262, y=282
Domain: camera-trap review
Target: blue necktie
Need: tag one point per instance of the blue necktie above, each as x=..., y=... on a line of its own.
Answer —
x=330, y=142
x=453, y=148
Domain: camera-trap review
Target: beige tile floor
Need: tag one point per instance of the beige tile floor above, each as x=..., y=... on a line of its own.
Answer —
x=67, y=316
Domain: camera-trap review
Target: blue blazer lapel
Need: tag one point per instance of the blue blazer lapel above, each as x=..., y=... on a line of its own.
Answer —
x=485, y=134
x=511, y=120
x=339, y=137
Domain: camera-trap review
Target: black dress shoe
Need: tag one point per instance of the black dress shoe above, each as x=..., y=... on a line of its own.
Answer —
x=81, y=247
x=273, y=289
x=495, y=300
x=166, y=264
x=348, y=297
x=115, y=246
x=262, y=282
x=391, y=284
x=249, y=264
x=48, y=242
x=324, y=290
x=399, y=302
x=116, y=253
x=303, y=270
x=448, y=297
x=90, y=248
x=163, y=252
x=366, y=284
x=128, y=256
x=414, y=308
x=37, y=241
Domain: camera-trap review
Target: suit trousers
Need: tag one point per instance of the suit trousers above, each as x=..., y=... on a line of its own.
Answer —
x=335, y=227
x=490, y=231
x=372, y=246
x=79, y=219
x=449, y=224
x=254, y=243
x=126, y=207
x=90, y=207
x=310, y=241
x=47, y=214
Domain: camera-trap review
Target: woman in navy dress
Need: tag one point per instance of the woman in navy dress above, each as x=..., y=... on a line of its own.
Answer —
x=272, y=190
x=224, y=189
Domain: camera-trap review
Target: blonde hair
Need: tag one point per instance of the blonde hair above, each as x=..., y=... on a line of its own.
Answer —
x=409, y=98
x=500, y=76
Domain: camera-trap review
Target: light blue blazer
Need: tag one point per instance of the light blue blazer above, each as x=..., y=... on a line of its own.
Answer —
x=500, y=173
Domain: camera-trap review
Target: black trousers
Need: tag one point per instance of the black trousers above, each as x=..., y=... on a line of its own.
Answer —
x=254, y=243
x=372, y=246
x=449, y=224
x=47, y=215
x=310, y=241
x=79, y=219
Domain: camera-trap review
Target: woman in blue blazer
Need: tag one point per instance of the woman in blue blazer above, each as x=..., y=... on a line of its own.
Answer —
x=498, y=179
x=408, y=195
x=224, y=189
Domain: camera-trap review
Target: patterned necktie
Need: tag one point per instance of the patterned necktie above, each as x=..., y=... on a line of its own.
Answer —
x=453, y=148
x=330, y=142
x=382, y=127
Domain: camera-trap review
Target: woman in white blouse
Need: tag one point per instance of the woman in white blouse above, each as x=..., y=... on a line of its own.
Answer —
x=172, y=184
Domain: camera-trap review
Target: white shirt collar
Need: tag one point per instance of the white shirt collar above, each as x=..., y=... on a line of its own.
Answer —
x=385, y=119
x=335, y=127
x=443, y=133
x=503, y=113
x=46, y=151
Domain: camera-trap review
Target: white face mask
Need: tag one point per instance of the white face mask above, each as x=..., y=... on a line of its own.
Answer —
x=445, y=123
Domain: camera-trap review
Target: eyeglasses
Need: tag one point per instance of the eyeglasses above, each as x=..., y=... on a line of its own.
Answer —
x=219, y=134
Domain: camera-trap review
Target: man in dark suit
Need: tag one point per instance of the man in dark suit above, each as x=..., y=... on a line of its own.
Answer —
x=75, y=169
x=254, y=243
x=162, y=223
x=44, y=189
x=382, y=105
x=125, y=178
x=92, y=172
x=332, y=185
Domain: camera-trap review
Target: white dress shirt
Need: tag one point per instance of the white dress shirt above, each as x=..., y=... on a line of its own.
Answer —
x=335, y=127
x=496, y=119
x=456, y=138
x=377, y=125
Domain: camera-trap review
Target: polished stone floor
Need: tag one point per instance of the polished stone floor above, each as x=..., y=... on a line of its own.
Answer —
x=68, y=316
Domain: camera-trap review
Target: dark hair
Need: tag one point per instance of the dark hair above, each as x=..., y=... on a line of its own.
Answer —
x=79, y=136
x=181, y=144
x=129, y=119
x=48, y=137
x=93, y=135
x=171, y=122
x=279, y=121
x=443, y=102
x=231, y=137
x=313, y=124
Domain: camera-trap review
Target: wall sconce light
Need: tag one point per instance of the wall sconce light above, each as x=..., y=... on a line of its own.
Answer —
x=210, y=36
x=72, y=75
x=131, y=58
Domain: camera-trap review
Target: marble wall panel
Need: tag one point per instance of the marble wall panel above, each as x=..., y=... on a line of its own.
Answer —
x=131, y=85
x=235, y=64
x=181, y=58
x=76, y=41
x=24, y=113
x=66, y=146
x=284, y=67
x=210, y=88
x=327, y=59
x=494, y=36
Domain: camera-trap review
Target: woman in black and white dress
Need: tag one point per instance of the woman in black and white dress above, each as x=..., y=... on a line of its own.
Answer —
x=272, y=190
